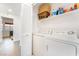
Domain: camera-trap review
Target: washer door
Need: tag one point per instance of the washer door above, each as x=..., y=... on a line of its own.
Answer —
x=56, y=48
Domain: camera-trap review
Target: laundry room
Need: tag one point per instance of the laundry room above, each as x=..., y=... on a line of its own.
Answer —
x=55, y=29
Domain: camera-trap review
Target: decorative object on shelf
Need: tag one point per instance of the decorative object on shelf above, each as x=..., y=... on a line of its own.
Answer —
x=71, y=8
x=44, y=7
x=60, y=11
x=65, y=10
x=44, y=10
x=44, y=14
x=75, y=6
x=54, y=12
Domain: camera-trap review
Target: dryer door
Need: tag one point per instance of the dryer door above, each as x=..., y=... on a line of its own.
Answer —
x=56, y=48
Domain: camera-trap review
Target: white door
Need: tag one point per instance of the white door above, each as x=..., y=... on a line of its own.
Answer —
x=60, y=49
x=26, y=40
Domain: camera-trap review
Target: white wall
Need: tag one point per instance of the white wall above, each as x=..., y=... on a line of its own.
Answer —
x=17, y=29
x=35, y=19
x=1, y=29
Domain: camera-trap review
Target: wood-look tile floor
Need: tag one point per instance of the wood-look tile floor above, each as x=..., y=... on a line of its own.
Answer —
x=9, y=48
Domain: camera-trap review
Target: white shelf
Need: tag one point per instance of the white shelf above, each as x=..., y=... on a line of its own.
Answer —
x=61, y=15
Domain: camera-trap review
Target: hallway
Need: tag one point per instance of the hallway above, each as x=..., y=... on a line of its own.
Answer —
x=9, y=48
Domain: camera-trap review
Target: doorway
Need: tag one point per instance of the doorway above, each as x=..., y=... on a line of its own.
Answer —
x=7, y=32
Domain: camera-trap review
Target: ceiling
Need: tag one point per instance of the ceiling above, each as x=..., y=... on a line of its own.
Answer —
x=10, y=8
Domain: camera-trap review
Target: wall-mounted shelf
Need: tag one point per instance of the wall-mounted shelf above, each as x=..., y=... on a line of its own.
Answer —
x=61, y=15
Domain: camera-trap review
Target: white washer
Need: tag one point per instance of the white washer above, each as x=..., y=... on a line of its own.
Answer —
x=50, y=46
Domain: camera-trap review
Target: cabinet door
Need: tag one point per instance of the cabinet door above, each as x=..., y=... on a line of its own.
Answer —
x=39, y=46
x=35, y=45
x=56, y=48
